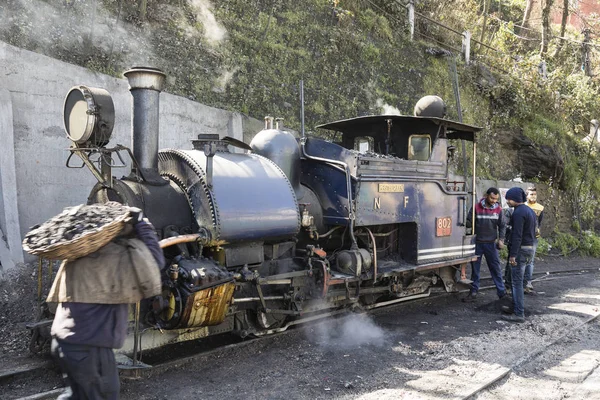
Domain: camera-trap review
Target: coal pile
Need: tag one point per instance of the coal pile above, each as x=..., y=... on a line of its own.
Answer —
x=72, y=223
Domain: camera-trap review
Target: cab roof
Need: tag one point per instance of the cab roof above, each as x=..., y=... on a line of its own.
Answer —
x=454, y=130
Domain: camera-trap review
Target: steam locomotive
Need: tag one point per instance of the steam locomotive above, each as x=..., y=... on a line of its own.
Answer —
x=284, y=230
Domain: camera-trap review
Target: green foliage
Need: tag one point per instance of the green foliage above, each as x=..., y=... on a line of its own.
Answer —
x=587, y=243
x=590, y=244
x=503, y=253
x=565, y=243
x=543, y=129
x=543, y=247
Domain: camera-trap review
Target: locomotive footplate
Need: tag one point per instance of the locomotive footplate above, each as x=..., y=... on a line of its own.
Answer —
x=389, y=270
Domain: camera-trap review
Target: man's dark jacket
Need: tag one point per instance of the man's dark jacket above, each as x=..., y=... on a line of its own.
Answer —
x=524, y=222
x=489, y=222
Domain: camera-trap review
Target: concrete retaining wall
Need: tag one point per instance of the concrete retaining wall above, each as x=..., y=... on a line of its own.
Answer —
x=34, y=183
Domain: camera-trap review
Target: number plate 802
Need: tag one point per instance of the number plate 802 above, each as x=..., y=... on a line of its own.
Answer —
x=443, y=226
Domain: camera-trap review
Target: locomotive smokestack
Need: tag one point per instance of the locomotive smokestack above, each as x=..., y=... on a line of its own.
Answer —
x=145, y=85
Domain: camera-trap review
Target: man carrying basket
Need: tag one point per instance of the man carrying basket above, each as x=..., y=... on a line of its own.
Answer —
x=93, y=295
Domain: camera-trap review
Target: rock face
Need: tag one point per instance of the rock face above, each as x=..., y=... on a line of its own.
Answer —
x=531, y=160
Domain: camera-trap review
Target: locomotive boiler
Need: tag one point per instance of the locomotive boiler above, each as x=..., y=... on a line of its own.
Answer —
x=262, y=236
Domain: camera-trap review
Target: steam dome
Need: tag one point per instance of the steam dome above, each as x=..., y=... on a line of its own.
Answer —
x=430, y=106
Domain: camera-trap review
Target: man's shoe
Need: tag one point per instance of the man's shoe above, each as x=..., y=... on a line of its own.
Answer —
x=471, y=297
x=513, y=318
x=529, y=291
x=508, y=309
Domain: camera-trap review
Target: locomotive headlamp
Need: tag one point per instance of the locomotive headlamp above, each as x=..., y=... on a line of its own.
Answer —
x=89, y=116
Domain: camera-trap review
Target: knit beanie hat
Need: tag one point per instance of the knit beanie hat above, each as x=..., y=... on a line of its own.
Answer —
x=516, y=194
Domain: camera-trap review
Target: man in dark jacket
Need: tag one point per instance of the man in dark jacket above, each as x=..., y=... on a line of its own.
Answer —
x=521, y=250
x=490, y=230
x=85, y=334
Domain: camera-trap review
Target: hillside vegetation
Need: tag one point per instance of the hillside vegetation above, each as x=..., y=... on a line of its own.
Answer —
x=356, y=57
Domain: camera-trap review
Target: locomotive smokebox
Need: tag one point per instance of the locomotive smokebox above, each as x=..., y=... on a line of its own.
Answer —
x=145, y=85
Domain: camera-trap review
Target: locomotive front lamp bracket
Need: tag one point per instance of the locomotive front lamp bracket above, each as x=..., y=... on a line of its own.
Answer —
x=103, y=171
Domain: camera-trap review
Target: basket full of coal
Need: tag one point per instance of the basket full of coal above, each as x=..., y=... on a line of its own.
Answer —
x=77, y=231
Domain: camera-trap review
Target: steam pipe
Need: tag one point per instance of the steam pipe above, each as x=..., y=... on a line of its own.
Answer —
x=374, y=256
x=302, y=107
x=268, y=122
x=474, y=199
x=346, y=168
x=279, y=123
x=164, y=243
x=145, y=85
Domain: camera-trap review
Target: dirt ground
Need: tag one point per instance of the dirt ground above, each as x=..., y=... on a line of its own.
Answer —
x=434, y=348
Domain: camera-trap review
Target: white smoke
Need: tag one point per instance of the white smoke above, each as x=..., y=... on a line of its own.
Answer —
x=214, y=32
x=349, y=332
x=223, y=79
x=386, y=109
x=75, y=25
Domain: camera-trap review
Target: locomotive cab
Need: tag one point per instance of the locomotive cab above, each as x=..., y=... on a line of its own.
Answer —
x=400, y=186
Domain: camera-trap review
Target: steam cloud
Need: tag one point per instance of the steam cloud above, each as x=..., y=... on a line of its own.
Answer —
x=75, y=26
x=223, y=79
x=350, y=332
x=214, y=32
x=386, y=109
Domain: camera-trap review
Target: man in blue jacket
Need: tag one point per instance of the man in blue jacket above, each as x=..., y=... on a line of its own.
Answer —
x=523, y=223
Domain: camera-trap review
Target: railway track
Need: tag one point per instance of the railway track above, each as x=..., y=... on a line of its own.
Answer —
x=14, y=381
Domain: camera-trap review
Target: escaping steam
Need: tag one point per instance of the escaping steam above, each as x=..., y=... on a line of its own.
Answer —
x=349, y=332
x=223, y=79
x=77, y=29
x=214, y=32
x=80, y=28
x=386, y=109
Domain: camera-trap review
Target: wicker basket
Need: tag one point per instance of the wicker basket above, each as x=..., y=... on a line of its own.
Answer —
x=83, y=245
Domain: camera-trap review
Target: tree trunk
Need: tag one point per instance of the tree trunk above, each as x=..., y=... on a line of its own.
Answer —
x=546, y=33
x=143, y=9
x=527, y=13
x=563, y=26
x=486, y=7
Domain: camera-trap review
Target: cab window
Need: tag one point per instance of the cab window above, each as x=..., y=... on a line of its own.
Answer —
x=363, y=144
x=419, y=147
